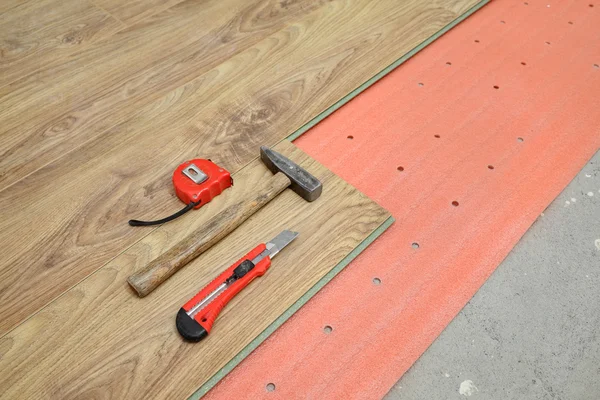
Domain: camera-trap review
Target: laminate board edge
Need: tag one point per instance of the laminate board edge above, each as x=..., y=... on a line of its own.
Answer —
x=331, y=109
x=290, y=311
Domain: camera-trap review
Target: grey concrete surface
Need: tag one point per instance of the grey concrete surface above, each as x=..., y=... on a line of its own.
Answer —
x=533, y=330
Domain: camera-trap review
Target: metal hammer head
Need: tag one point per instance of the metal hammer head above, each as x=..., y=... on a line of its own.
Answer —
x=303, y=183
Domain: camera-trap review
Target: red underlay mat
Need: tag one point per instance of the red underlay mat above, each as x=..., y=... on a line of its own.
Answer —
x=502, y=155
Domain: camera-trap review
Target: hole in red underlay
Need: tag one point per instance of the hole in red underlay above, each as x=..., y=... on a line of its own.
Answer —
x=455, y=203
x=400, y=168
x=350, y=137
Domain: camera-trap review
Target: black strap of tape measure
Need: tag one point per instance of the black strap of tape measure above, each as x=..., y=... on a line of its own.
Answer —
x=135, y=222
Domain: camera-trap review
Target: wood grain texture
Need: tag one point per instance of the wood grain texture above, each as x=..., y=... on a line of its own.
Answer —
x=244, y=75
x=216, y=228
x=72, y=100
x=100, y=340
x=34, y=33
x=132, y=11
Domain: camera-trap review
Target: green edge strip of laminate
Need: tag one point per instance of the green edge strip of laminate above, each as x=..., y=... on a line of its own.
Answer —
x=319, y=285
x=290, y=311
x=384, y=72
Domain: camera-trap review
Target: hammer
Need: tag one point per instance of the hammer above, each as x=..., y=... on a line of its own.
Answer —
x=286, y=174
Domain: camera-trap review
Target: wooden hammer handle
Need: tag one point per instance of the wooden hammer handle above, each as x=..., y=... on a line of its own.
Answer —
x=216, y=228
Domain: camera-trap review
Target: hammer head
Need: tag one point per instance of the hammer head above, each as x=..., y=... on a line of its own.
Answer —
x=303, y=183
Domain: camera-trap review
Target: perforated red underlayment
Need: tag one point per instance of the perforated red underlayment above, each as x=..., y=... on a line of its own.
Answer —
x=465, y=144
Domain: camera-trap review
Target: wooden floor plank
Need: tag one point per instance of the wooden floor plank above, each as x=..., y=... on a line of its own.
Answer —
x=34, y=33
x=99, y=338
x=84, y=219
x=55, y=110
x=69, y=102
x=256, y=97
x=130, y=12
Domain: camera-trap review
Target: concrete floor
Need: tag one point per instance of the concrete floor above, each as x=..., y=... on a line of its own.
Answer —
x=533, y=330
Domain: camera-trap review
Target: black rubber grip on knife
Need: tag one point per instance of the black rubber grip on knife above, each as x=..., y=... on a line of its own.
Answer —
x=189, y=328
x=241, y=270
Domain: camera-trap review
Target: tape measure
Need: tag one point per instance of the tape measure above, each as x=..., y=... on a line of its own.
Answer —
x=196, y=183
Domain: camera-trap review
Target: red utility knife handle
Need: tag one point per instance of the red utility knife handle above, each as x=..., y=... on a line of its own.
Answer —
x=197, y=328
